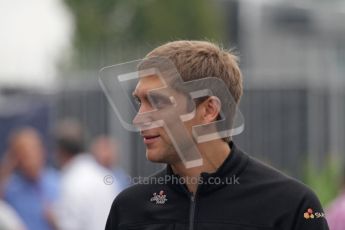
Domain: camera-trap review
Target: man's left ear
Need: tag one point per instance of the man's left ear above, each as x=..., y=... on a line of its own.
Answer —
x=212, y=108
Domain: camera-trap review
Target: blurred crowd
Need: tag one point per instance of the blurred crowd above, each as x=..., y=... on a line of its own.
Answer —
x=74, y=190
x=66, y=192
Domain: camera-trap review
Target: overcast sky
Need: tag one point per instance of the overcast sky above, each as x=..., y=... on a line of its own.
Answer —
x=34, y=34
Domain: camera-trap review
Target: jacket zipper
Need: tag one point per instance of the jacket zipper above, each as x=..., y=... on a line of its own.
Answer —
x=192, y=212
x=192, y=205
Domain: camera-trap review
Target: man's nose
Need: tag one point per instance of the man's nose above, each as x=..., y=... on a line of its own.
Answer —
x=143, y=121
x=142, y=115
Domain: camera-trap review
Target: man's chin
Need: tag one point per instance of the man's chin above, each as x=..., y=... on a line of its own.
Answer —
x=164, y=157
x=154, y=156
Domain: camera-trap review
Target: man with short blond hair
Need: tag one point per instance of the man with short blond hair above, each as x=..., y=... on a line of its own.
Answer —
x=199, y=59
x=230, y=190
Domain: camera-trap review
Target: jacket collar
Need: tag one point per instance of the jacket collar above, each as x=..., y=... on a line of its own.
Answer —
x=231, y=168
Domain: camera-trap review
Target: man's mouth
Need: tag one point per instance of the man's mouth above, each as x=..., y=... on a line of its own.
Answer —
x=149, y=139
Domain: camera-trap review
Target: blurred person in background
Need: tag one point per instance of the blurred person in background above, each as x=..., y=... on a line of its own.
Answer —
x=27, y=185
x=85, y=195
x=335, y=213
x=106, y=152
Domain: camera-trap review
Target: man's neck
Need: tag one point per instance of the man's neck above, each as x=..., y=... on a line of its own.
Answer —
x=213, y=153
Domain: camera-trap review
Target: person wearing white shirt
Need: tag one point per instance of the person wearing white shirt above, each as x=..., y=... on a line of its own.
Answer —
x=86, y=191
x=85, y=195
x=9, y=219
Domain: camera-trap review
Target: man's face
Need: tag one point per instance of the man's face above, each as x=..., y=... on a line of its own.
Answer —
x=29, y=153
x=159, y=147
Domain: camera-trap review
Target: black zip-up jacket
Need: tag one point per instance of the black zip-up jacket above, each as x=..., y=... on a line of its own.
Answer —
x=243, y=194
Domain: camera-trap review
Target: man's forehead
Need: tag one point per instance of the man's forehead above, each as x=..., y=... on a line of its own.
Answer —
x=146, y=83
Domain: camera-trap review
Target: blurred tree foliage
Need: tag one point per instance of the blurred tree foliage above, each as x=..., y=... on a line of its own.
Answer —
x=115, y=30
x=327, y=181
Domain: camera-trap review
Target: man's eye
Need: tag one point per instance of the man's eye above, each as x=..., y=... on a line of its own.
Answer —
x=161, y=102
